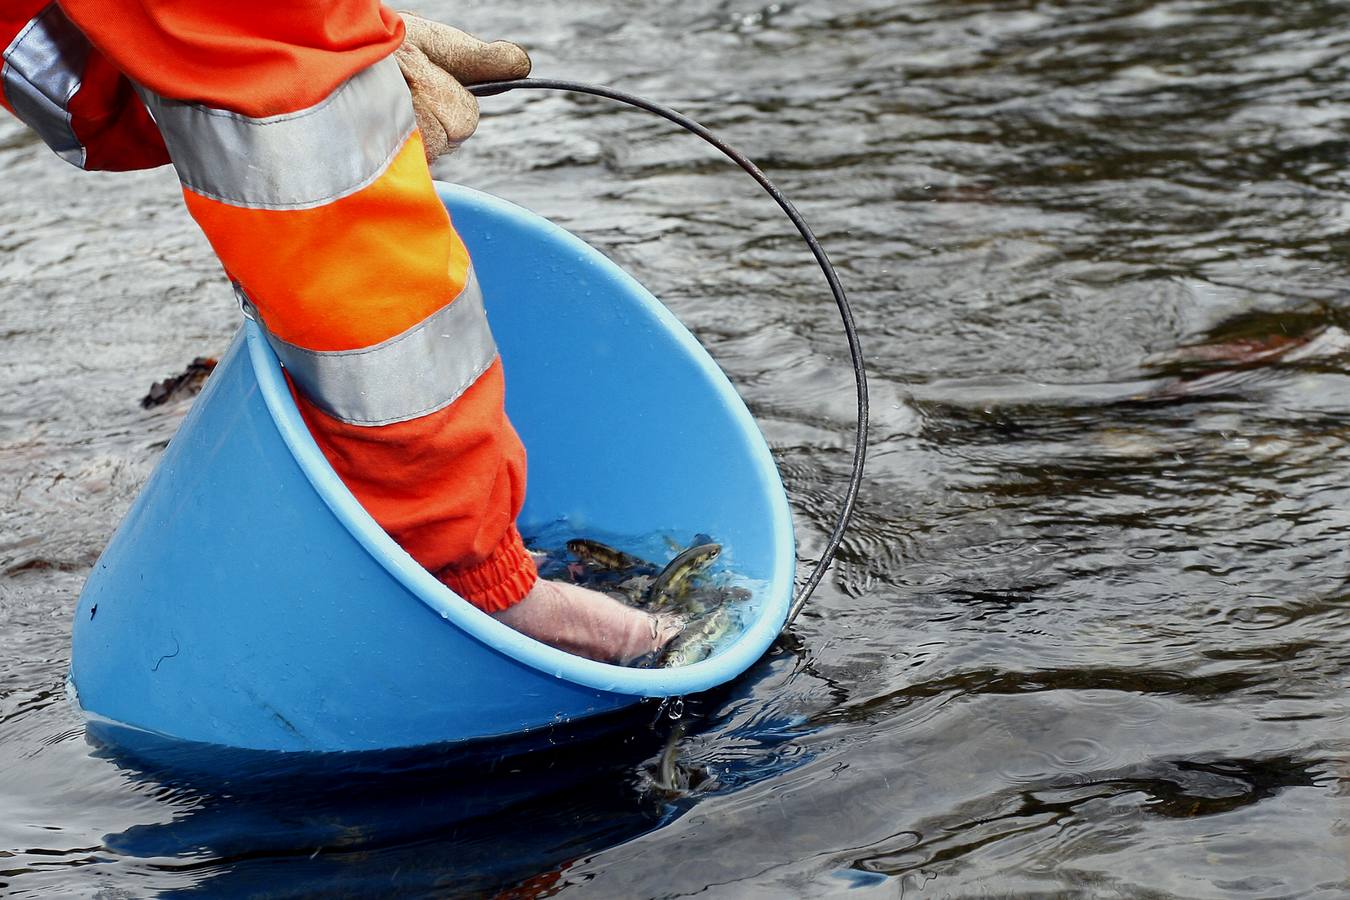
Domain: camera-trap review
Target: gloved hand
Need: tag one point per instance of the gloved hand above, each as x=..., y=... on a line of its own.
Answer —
x=589, y=623
x=437, y=61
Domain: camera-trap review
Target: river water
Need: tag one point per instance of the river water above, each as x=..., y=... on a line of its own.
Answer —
x=1087, y=635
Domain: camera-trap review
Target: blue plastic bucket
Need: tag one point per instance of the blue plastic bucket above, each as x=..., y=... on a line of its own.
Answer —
x=248, y=601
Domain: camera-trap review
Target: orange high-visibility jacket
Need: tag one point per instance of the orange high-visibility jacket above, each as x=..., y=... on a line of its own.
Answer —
x=293, y=135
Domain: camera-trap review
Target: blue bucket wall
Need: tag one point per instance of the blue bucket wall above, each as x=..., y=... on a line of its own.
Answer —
x=248, y=601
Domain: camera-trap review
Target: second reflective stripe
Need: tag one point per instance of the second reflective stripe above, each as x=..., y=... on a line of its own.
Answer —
x=42, y=71
x=424, y=369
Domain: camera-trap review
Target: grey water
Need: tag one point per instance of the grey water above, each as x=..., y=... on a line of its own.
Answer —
x=1088, y=634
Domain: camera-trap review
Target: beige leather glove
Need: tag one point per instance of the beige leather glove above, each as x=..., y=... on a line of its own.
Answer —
x=437, y=61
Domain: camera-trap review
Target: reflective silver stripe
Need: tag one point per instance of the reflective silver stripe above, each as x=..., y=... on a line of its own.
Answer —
x=293, y=160
x=42, y=70
x=424, y=369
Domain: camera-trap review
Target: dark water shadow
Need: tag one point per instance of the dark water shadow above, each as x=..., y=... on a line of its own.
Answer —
x=511, y=814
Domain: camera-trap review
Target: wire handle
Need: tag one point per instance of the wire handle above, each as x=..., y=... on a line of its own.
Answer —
x=493, y=88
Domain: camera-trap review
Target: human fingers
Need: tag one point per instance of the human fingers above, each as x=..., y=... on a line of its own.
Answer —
x=468, y=59
x=446, y=112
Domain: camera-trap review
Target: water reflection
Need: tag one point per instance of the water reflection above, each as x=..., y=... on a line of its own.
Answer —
x=466, y=820
x=467, y=824
x=1168, y=788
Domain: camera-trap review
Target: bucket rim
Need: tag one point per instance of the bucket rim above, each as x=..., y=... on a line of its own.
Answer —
x=549, y=661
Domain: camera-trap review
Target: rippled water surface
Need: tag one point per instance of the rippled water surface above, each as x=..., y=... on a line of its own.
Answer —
x=1087, y=636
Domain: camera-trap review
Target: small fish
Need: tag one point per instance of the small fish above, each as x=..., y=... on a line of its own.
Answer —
x=552, y=565
x=667, y=772
x=672, y=584
x=702, y=598
x=632, y=590
x=604, y=558
x=733, y=595
x=675, y=546
x=698, y=639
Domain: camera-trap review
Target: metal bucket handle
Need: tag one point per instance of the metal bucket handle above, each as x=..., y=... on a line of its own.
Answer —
x=845, y=313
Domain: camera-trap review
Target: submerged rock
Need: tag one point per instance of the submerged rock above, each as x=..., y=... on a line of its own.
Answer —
x=187, y=383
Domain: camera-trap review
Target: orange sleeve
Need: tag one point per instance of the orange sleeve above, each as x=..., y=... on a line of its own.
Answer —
x=249, y=56
x=340, y=268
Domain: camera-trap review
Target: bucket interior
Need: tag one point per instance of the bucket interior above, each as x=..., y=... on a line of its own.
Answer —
x=632, y=433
